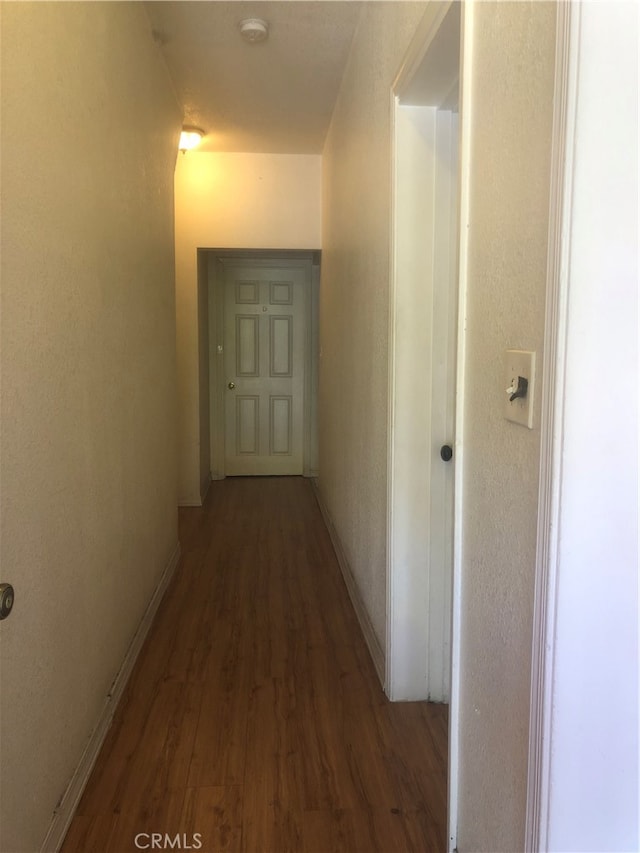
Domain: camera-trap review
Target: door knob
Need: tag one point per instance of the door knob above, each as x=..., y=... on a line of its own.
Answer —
x=7, y=597
x=446, y=453
x=231, y=386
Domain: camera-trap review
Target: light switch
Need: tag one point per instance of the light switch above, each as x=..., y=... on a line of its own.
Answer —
x=519, y=376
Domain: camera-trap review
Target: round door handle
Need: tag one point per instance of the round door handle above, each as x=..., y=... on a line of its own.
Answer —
x=446, y=453
x=231, y=386
x=7, y=597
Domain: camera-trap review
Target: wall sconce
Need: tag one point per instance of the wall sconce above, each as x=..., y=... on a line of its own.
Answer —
x=189, y=138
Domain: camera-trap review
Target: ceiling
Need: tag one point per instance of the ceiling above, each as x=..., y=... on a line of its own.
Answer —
x=275, y=96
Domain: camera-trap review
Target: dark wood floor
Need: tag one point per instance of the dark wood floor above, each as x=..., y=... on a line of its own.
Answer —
x=254, y=716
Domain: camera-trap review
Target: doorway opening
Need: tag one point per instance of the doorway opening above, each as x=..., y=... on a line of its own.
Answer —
x=423, y=519
x=258, y=345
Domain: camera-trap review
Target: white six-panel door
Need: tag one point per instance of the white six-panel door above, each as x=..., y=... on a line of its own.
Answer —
x=264, y=341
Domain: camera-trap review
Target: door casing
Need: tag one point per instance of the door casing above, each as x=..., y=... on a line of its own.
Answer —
x=438, y=53
x=422, y=381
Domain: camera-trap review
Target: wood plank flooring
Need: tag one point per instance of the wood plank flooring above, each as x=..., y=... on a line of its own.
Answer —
x=254, y=717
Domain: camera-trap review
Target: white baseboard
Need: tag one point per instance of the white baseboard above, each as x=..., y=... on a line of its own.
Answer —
x=65, y=810
x=190, y=502
x=375, y=649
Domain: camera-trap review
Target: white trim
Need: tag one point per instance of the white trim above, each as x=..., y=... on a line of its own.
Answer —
x=66, y=808
x=444, y=328
x=410, y=438
x=464, y=171
x=389, y=673
x=553, y=388
x=373, y=644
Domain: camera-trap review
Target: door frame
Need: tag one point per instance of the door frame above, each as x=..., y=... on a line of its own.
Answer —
x=424, y=238
x=219, y=260
x=552, y=426
x=403, y=574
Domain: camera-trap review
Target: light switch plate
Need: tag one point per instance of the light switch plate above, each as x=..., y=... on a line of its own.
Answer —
x=517, y=363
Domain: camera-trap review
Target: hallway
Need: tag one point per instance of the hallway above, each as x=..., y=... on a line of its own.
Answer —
x=254, y=720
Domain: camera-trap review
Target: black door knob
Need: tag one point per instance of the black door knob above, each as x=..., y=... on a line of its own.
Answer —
x=446, y=453
x=7, y=597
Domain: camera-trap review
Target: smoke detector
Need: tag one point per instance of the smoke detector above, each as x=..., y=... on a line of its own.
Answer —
x=254, y=30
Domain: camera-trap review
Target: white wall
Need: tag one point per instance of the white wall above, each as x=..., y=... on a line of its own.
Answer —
x=354, y=300
x=230, y=201
x=594, y=796
x=511, y=48
x=88, y=503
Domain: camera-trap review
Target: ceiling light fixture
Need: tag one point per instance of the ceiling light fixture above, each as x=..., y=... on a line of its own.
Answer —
x=189, y=138
x=254, y=30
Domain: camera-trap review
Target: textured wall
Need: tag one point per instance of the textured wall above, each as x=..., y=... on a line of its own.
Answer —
x=354, y=299
x=230, y=201
x=513, y=68
x=88, y=504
